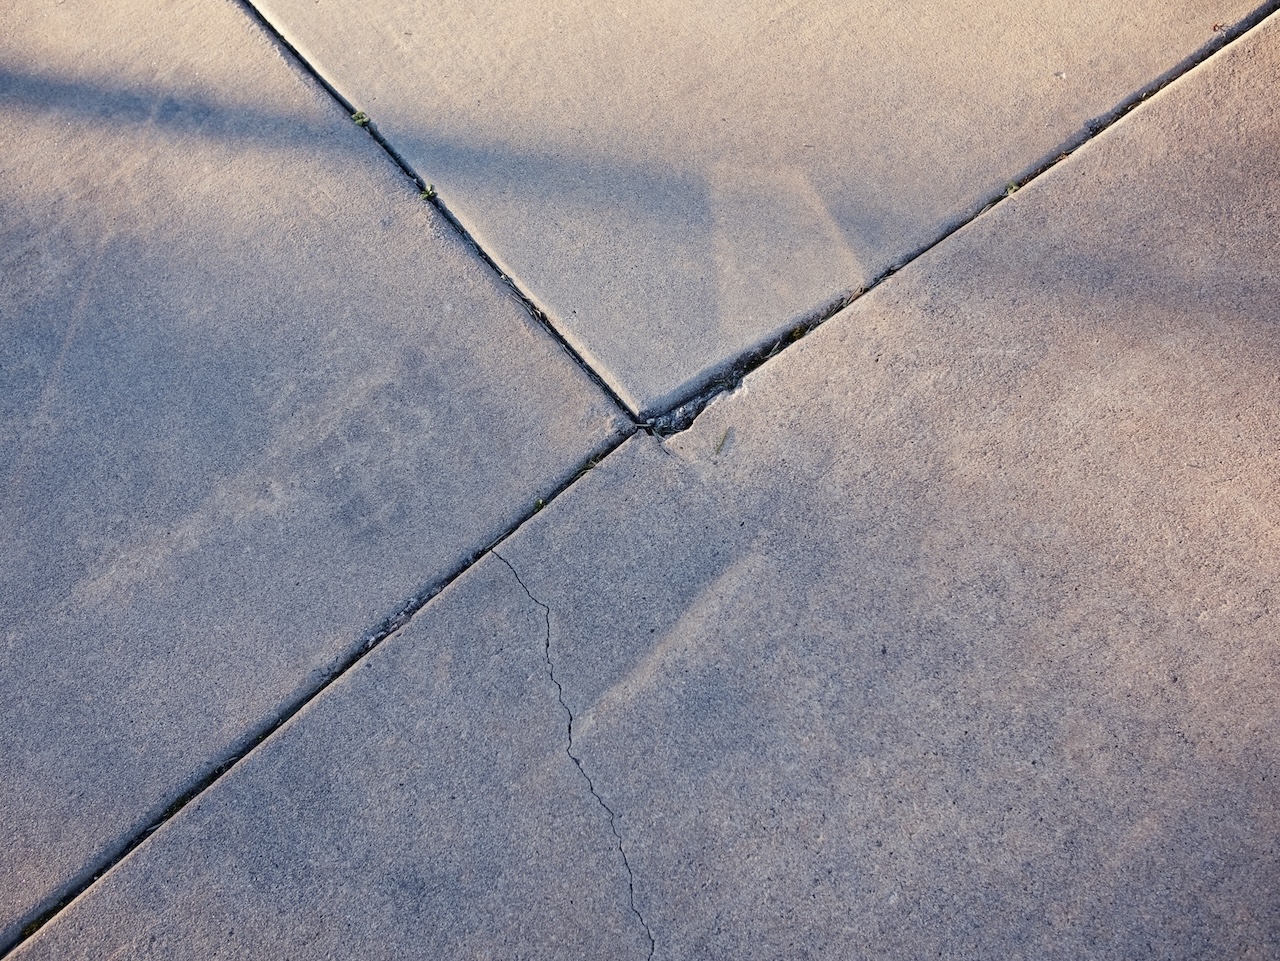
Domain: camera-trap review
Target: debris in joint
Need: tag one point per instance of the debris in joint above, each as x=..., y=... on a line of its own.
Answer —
x=681, y=417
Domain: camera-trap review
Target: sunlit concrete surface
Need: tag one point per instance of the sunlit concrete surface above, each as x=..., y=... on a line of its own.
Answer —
x=950, y=633
x=677, y=182
x=254, y=396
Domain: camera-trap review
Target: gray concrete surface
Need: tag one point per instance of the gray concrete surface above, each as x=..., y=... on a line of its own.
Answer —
x=426, y=809
x=950, y=634
x=675, y=183
x=254, y=395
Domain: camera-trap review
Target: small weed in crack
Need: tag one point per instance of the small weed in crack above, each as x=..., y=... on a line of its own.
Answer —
x=724, y=439
x=577, y=762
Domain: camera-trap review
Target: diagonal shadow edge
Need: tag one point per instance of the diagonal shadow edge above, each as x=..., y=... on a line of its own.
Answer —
x=674, y=420
x=429, y=194
x=723, y=377
x=729, y=375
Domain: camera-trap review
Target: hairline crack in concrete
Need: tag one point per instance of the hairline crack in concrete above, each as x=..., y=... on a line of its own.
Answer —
x=577, y=762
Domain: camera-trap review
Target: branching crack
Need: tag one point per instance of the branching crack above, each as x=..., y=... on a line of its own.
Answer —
x=577, y=762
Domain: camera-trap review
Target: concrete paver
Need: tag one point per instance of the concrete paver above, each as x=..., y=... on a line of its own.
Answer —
x=675, y=183
x=254, y=396
x=951, y=633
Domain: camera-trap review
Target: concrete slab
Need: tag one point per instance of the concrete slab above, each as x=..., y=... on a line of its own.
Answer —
x=676, y=183
x=254, y=396
x=426, y=809
x=951, y=634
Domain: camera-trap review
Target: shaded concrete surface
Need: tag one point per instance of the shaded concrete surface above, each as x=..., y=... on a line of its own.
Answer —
x=676, y=182
x=952, y=633
x=425, y=808
x=254, y=396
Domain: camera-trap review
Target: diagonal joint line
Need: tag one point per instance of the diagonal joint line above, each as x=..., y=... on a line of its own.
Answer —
x=429, y=194
x=387, y=628
x=729, y=377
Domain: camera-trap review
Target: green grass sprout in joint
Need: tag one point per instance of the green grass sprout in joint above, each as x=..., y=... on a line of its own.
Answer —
x=723, y=439
x=361, y=118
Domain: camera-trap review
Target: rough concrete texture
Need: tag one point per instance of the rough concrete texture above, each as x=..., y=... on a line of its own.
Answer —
x=254, y=395
x=425, y=809
x=963, y=644
x=951, y=634
x=675, y=183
